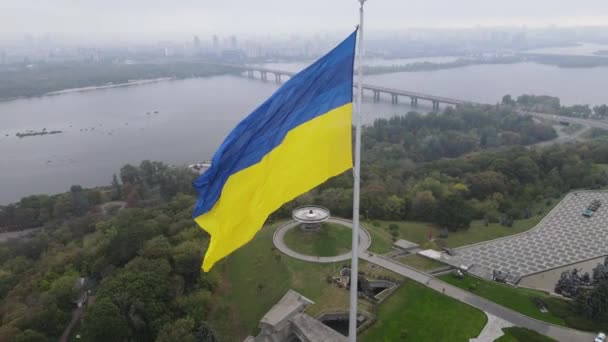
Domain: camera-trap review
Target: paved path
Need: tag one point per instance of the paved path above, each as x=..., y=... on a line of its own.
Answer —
x=120, y=204
x=278, y=239
x=492, y=330
x=18, y=234
x=76, y=315
x=490, y=308
x=553, y=331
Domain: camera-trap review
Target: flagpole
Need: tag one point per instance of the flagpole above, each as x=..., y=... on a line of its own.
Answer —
x=354, y=267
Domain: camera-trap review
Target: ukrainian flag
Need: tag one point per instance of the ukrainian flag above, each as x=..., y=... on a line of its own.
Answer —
x=296, y=140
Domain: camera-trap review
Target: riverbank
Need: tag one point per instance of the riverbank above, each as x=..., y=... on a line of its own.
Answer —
x=43, y=79
x=560, y=61
x=109, y=86
x=92, y=88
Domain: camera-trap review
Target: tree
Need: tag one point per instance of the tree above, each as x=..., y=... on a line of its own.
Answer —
x=187, y=258
x=63, y=292
x=601, y=111
x=483, y=184
x=594, y=303
x=116, y=190
x=508, y=100
x=196, y=305
x=30, y=335
x=130, y=174
x=395, y=208
x=600, y=272
x=526, y=169
x=62, y=207
x=142, y=298
x=157, y=247
x=46, y=318
x=179, y=330
x=204, y=333
x=569, y=283
x=453, y=213
x=104, y=322
x=80, y=202
x=423, y=204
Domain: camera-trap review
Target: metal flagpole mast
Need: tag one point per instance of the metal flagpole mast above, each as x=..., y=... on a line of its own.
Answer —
x=354, y=267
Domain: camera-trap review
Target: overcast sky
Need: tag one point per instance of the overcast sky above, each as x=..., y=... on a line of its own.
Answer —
x=171, y=17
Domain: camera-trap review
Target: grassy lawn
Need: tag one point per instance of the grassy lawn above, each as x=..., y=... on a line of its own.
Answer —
x=478, y=232
x=419, y=262
x=257, y=275
x=418, y=232
x=520, y=300
x=332, y=239
x=415, y=313
x=517, y=334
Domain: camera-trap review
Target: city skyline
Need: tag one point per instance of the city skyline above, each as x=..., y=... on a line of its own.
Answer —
x=167, y=20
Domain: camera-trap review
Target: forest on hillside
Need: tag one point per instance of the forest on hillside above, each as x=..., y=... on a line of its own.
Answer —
x=141, y=263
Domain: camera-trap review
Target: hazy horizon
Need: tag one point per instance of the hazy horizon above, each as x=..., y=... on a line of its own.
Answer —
x=158, y=19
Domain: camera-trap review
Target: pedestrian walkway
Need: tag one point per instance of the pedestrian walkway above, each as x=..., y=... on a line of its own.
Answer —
x=515, y=318
x=492, y=330
x=278, y=239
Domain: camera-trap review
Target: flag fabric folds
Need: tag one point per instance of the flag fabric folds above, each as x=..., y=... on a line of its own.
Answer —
x=294, y=141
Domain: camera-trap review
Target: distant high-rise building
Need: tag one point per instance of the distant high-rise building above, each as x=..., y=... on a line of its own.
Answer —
x=233, y=42
x=196, y=42
x=216, y=42
x=2, y=57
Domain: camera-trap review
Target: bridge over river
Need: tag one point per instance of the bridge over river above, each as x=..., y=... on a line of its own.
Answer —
x=375, y=90
x=394, y=93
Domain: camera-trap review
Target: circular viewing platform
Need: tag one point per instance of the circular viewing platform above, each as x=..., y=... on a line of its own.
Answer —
x=310, y=217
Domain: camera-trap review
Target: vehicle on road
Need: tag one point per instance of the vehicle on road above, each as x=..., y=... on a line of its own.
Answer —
x=601, y=337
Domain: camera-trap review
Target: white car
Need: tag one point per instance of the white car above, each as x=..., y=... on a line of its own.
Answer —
x=601, y=337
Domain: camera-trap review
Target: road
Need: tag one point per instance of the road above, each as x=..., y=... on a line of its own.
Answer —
x=553, y=331
x=584, y=122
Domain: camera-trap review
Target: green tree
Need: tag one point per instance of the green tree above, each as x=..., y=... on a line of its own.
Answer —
x=63, y=291
x=453, y=213
x=104, y=322
x=130, y=174
x=30, y=336
x=485, y=183
x=143, y=299
x=196, y=305
x=179, y=330
x=116, y=189
x=187, y=258
x=80, y=202
x=508, y=100
x=423, y=204
x=62, y=207
x=526, y=169
x=158, y=247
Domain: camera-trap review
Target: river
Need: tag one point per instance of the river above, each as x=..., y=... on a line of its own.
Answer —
x=104, y=129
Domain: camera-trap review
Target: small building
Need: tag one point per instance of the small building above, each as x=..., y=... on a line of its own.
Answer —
x=310, y=217
x=405, y=245
x=286, y=321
